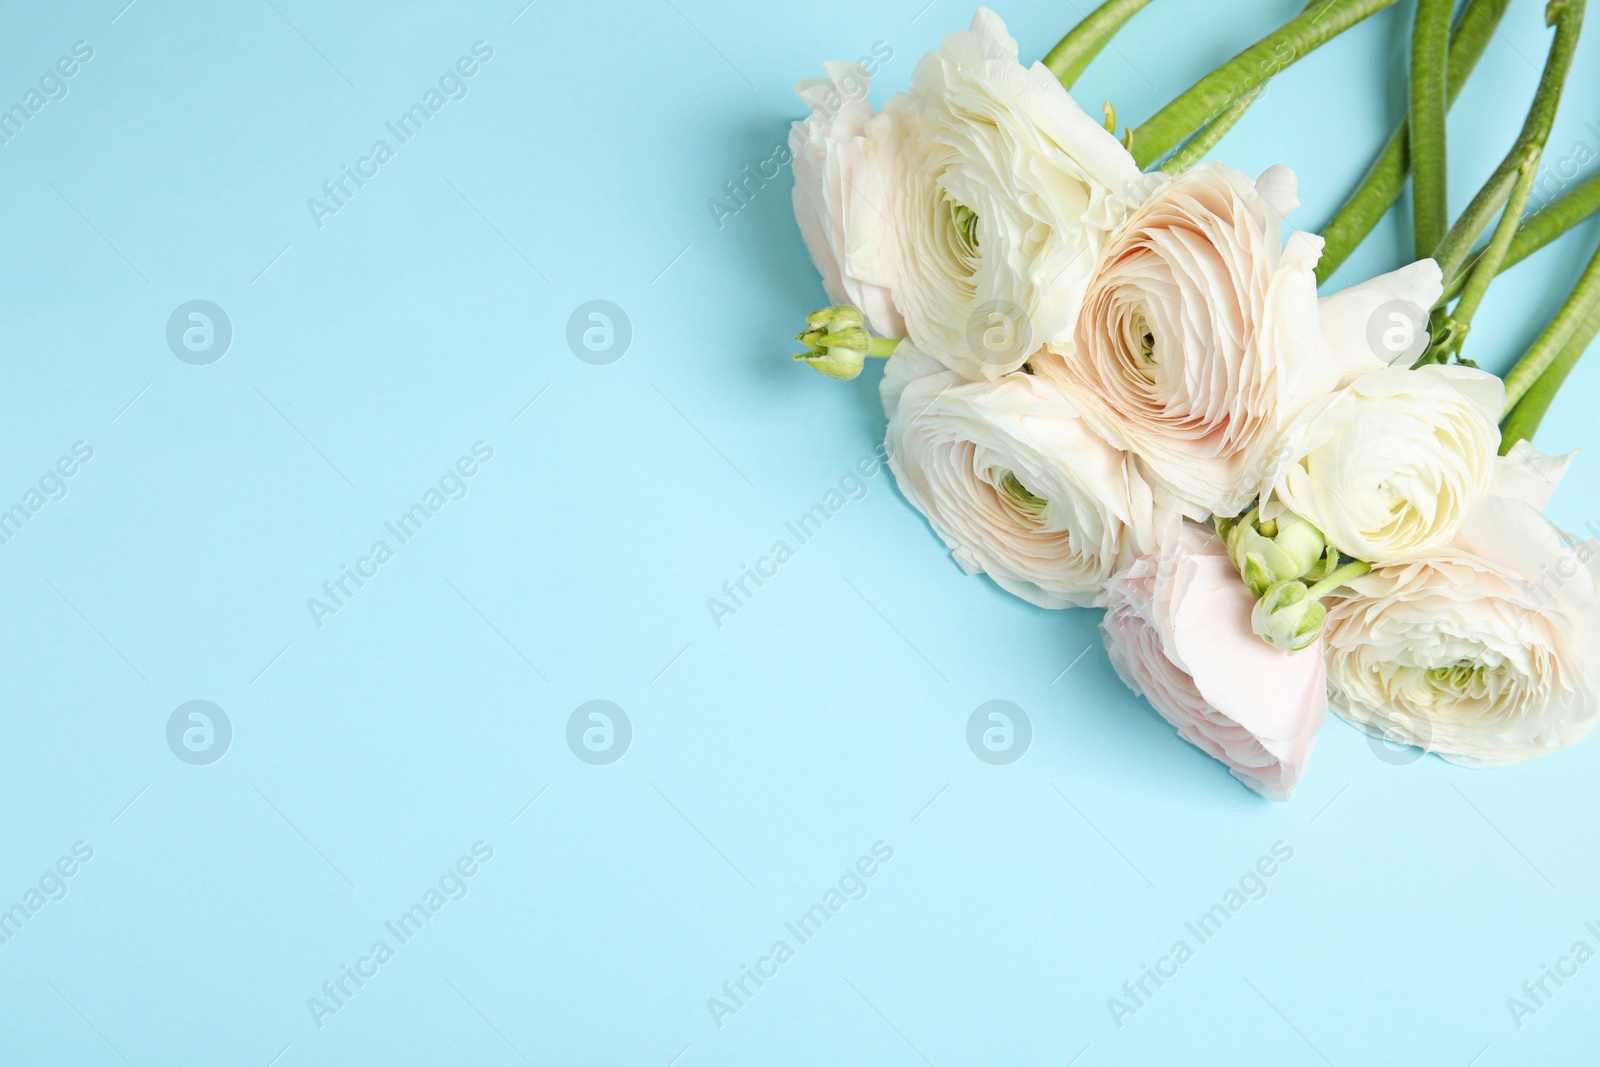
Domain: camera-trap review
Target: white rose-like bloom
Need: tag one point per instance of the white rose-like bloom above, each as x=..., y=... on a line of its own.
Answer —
x=1390, y=466
x=1202, y=338
x=1177, y=629
x=1486, y=651
x=838, y=183
x=1013, y=481
x=999, y=197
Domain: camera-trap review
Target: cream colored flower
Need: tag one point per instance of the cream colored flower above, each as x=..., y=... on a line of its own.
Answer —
x=999, y=195
x=1014, y=481
x=1390, y=466
x=1486, y=651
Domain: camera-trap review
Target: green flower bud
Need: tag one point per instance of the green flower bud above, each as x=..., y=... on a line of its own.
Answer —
x=1268, y=552
x=838, y=344
x=1300, y=543
x=1257, y=573
x=1288, y=617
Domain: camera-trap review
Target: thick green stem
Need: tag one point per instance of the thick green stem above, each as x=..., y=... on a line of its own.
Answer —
x=1074, y=52
x=1524, y=419
x=1209, y=96
x=1430, y=50
x=882, y=347
x=1549, y=346
x=1454, y=251
x=1544, y=226
x=1555, y=219
x=1488, y=264
x=1567, y=17
x=1195, y=149
x=1381, y=186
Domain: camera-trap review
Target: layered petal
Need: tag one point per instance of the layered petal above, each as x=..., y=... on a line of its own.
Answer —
x=1177, y=629
x=1000, y=194
x=1200, y=339
x=1486, y=651
x=1381, y=322
x=838, y=183
x=1014, y=481
x=1390, y=466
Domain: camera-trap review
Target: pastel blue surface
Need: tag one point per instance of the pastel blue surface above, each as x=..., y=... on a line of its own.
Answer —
x=375, y=746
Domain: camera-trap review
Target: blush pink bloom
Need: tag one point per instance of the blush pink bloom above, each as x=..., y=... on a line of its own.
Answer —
x=1177, y=629
x=1202, y=339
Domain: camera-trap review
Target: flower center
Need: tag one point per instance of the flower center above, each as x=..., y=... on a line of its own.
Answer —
x=1464, y=678
x=966, y=226
x=1146, y=358
x=1032, y=508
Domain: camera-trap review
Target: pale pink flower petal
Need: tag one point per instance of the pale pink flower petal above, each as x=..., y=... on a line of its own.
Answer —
x=1177, y=629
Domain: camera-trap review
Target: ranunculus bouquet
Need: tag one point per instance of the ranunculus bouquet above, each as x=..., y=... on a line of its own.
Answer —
x=1111, y=383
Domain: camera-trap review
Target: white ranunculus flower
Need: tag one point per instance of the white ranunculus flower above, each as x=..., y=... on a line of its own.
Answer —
x=999, y=196
x=1486, y=651
x=1202, y=338
x=1177, y=629
x=838, y=185
x=1014, y=481
x=1390, y=466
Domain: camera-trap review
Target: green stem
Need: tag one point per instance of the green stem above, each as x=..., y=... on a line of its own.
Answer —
x=1546, y=350
x=1544, y=226
x=1488, y=264
x=1525, y=417
x=1430, y=50
x=1195, y=149
x=882, y=347
x=1383, y=181
x=1567, y=17
x=1209, y=96
x=1353, y=569
x=1074, y=52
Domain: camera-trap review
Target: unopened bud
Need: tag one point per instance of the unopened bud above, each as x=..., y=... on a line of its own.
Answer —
x=1288, y=617
x=838, y=344
x=1268, y=552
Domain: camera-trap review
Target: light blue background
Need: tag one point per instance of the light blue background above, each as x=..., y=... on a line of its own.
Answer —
x=768, y=754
